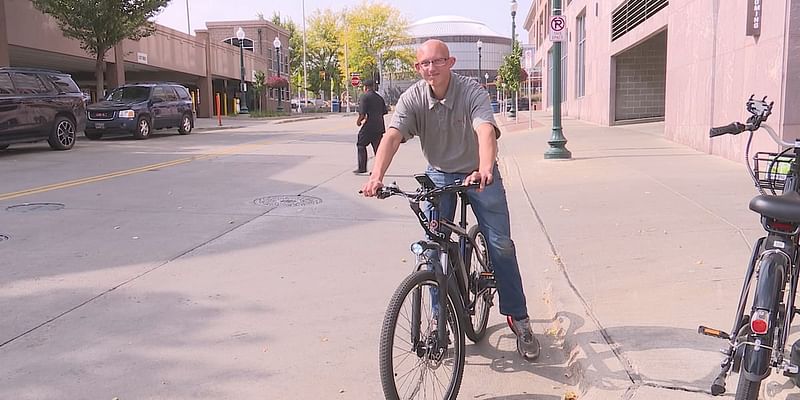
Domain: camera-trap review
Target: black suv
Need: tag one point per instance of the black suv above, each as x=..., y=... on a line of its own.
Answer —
x=37, y=104
x=139, y=109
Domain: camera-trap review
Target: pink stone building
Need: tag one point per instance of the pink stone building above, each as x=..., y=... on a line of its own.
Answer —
x=689, y=63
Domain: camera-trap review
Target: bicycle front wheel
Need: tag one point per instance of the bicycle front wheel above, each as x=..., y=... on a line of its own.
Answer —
x=481, y=287
x=412, y=365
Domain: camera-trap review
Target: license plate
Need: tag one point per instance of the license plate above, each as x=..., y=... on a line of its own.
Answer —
x=99, y=125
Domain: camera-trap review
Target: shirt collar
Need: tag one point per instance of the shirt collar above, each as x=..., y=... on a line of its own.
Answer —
x=448, y=99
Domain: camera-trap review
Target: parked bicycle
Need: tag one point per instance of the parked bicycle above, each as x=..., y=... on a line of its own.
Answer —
x=447, y=296
x=758, y=339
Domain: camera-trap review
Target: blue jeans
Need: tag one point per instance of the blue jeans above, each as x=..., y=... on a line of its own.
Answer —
x=491, y=209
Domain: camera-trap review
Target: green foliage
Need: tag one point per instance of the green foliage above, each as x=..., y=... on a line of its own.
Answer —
x=374, y=28
x=510, y=72
x=323, y=42
x=100, y=25
x=259, y=84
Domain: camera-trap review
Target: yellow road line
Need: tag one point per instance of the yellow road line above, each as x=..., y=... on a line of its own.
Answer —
x=117, y=174
x=246, y=147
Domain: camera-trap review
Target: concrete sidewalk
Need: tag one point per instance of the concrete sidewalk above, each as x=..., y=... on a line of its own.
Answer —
x=244, y=120
x=632, y=243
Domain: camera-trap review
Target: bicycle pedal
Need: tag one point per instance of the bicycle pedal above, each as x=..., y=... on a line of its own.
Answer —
x=713, y=332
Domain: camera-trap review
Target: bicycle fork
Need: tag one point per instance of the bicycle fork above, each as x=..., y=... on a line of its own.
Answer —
x=437, y=260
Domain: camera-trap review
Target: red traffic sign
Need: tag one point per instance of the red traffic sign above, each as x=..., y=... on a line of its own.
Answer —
x=355, y=80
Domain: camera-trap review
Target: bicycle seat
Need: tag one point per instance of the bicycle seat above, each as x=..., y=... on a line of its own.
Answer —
x=785, y=207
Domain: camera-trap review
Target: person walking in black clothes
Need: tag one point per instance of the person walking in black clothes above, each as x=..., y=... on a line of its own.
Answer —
x=371, y=109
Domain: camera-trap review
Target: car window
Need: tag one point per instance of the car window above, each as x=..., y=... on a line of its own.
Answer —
x=159, y=93
x=129, y=93
x=183, y=93
x=6, y=87
x=169, y=94
x=64, y=84
x=27, y=83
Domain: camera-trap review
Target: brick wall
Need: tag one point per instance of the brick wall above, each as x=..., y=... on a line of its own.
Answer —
x=641, y=80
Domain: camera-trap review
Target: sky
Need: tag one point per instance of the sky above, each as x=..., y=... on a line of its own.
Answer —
x=496, y=14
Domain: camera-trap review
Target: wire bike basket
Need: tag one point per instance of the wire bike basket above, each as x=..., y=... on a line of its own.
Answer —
x=771, y=170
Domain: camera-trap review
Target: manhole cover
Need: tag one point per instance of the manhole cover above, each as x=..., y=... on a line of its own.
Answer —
x=287, y=201
x=3, y=238
x=35, y=207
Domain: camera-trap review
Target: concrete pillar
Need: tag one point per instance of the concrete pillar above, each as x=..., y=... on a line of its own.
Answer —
x=116, y=71
x=4, y=58
x=205, y=107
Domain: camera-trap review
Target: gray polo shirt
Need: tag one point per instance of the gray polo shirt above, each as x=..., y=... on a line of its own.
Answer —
x=446, y=128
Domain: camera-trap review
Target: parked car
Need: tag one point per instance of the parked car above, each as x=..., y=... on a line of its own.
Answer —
x=139, y=109
x=37, y=104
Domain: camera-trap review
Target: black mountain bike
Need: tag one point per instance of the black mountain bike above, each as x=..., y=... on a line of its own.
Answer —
x=758, y=339
x=448, y=295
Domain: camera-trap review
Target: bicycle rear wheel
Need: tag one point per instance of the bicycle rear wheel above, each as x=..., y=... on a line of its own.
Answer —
x=410, y=366
x=479, y=296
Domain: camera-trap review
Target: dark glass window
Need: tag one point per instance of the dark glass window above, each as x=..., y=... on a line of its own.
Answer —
x=6, y=87
x=28, y=83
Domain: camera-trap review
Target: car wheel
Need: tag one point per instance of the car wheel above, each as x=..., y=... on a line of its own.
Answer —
x=63, y=135
x=93, y=135
x=186, y=125
x=142, y=128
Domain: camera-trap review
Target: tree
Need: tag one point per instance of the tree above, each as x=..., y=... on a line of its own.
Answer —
x=510, y=71
x=259, y=83
x=374, y=30
x=100, y=25
x=323, y=46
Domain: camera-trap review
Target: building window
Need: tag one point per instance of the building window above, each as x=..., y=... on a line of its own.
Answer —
x=580, y=56
x=247, y=44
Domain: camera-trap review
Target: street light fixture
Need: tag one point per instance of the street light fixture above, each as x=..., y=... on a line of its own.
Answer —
x=277, y=44
x=480, y=45
x=243, y=104
x=513, y=112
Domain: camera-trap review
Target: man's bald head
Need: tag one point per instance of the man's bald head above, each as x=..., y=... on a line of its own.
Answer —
x=433, y=46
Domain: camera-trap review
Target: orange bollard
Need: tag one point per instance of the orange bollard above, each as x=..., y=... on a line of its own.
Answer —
x=219, y=111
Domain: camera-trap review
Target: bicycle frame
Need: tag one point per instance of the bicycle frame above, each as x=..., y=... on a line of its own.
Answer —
x=447, y=259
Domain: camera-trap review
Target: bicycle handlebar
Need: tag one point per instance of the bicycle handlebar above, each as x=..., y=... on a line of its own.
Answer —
x=734, y=128
x=424, y=194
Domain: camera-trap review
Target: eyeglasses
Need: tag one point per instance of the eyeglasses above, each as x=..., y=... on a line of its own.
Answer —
x=436, y=62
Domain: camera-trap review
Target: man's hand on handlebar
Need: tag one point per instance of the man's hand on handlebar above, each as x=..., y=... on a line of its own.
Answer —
x=371, y=188
x=482, y=178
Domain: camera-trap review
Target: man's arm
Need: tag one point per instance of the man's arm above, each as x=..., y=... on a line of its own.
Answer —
x=386, y=151
x=487, y=153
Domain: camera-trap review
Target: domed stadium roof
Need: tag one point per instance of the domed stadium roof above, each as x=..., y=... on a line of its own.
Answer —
x=450, y=25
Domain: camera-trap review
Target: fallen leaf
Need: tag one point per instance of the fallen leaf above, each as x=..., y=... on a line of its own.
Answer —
x=341, y=390
x=699, y=262
x=570, y=395
x=324, y=339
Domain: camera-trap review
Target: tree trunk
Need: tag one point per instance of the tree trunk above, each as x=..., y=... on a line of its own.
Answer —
x=99, y=69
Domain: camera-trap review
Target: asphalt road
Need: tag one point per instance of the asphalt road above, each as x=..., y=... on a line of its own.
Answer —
x=231, y=264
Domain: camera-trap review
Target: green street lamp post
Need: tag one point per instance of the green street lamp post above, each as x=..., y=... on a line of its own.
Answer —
x=277, y=44
x=480, y=45
x=512, y=113
x=243, y=105
x=557, y=142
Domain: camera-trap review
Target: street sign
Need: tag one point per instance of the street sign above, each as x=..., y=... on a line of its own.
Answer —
x=558, y=28
x=355, y=80
x=527, y=55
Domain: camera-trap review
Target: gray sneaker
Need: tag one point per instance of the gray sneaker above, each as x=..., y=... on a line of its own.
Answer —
x=527, y=345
